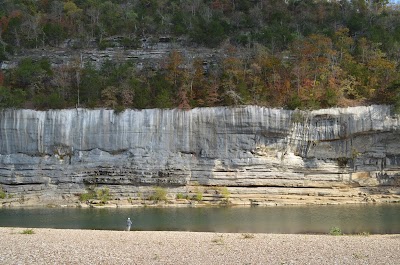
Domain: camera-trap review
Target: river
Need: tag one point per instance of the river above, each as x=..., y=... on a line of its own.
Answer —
x=351, y=219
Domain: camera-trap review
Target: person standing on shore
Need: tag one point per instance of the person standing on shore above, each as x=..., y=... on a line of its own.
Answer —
x=128, y=224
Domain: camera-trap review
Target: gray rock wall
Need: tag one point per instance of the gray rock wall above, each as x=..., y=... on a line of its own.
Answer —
x=249, y=149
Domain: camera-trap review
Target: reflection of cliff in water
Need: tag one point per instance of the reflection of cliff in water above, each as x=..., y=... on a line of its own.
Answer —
x=262, y=156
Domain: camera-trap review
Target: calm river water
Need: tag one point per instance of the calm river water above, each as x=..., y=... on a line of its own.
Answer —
x=375, y=219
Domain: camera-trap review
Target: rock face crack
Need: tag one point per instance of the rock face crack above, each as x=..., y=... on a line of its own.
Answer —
x=233, y=147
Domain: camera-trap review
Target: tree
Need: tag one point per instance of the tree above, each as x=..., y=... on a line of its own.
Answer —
x=344, y=44
x=11, y=98
x=32, y=30
x=9, y=23
x=163, y=99
x=109, y=97
x=212, y=96
x=270, y=78
x=32, y=76
x=183, y=99
x=54, y=33
x=73, y=16
x=3, y=27
x=174, y=68
x=233, y=80
x=210, y=34
x=198, y=83
x=63, y=80
x=315, y=68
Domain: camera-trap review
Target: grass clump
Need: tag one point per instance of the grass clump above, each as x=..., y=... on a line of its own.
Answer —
x=219, y=240
x=28, y=232
x=364, y=234
x=335, y=231
x=248, y=236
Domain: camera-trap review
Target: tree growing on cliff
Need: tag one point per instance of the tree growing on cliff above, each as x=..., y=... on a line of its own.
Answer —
x=11, y=98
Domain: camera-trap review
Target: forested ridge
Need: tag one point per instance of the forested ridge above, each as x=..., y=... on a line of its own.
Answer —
x=292, y=54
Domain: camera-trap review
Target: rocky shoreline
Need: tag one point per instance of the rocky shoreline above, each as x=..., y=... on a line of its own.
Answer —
x=61, y=246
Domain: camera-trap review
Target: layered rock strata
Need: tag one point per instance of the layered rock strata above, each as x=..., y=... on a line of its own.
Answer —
x=246, y=155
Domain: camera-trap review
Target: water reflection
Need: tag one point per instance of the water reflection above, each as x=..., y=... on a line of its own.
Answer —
x=302, y=219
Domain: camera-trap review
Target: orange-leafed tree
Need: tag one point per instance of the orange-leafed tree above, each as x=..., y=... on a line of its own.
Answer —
x=315, y=64
x=199, y=84
x=174, y=68
x=212, y=96
x=272, y=84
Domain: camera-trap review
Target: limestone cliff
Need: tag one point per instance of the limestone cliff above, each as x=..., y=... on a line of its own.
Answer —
x=244, y=155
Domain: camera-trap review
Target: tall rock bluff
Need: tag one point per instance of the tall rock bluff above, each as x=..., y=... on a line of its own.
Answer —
x=245, y=155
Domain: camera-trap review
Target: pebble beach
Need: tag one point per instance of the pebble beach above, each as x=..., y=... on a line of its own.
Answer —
x=67, y=246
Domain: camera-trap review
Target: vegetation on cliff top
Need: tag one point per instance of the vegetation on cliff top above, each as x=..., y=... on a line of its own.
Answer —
x=296, y=54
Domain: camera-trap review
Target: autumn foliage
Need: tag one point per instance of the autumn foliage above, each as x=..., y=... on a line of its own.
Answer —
x=292, y=54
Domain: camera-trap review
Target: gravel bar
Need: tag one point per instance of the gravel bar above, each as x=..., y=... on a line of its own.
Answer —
x=67, y=246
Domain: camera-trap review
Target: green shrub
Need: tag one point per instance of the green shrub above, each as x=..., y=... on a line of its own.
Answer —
x=180, y=196
x=335, y=231
x=87, y=196
x=103, y=195
x=224, y=192
x=199, y=196
x=159, y=194
x=199, y=193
